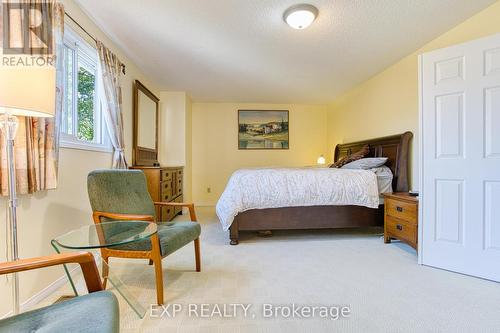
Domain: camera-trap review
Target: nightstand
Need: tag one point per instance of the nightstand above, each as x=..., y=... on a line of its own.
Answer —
x=401, y=218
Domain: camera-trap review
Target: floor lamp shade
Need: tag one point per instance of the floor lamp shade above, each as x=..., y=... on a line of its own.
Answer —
x=28, y=91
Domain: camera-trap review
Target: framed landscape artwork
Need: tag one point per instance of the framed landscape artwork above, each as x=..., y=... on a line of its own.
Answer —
x=263, y=129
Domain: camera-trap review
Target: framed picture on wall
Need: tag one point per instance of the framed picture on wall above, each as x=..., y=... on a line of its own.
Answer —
x=263, y=129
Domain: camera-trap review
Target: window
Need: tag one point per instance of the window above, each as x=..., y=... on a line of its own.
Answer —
x=82, y=123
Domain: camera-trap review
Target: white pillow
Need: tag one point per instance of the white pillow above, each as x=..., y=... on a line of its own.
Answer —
x=366, y=163
x=384, y=178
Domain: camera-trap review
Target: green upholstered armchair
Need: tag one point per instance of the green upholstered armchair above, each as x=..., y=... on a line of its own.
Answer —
x=95, y=312
x=123, y=195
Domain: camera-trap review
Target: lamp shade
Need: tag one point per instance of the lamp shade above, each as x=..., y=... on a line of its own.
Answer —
x=28, y=91
x=321, y=160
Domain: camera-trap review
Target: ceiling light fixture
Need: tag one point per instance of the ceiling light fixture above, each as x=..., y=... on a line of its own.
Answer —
x=300, y=16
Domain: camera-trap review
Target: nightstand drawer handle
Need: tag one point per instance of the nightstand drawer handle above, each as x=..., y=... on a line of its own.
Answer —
x=399, y=209
x=399, y=227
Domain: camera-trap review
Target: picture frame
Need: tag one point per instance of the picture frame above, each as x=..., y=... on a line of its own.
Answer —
x=263, y=130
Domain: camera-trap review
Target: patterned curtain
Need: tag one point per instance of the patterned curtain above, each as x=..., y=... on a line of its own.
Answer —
x=37, y=141
x=110, y=67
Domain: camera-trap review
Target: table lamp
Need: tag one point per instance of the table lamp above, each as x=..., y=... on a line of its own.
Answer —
x=321, y=160
x=24, y=91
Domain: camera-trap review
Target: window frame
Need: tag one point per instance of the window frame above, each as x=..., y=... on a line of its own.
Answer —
x=82, y=50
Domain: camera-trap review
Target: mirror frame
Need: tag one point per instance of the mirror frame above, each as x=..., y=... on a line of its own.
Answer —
x=142, y=156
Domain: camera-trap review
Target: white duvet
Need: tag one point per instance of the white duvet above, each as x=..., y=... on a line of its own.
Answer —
x=286, y=187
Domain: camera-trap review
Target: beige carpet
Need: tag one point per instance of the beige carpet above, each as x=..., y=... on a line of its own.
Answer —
x=385, y=288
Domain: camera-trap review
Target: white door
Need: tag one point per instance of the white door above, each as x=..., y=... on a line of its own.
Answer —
x=460, y=158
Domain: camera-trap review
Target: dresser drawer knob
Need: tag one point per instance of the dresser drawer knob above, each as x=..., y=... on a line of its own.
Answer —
x=399, y=227
x=399, y=209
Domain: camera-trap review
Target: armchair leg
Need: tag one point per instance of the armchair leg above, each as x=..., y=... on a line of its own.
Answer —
x=197, y=256
x=156, y=258
x=105, y=271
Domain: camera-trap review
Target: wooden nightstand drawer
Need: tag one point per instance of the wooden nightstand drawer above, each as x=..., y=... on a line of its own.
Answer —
x=401, y=218
x=401, y=229
x=401, y=210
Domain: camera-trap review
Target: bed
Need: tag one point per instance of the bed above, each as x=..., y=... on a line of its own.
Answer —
x=395, y=148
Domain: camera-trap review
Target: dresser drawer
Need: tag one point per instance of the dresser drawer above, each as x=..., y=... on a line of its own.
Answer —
x=166, y=175
x=178, y=209
x=401, y=229
x=166, y=190
x=166, y=197
x=401, y=210
x=167, y=213
x=178, y=186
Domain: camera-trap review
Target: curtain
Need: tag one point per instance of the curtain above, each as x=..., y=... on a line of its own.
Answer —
x=110, y=72
x=36, y=146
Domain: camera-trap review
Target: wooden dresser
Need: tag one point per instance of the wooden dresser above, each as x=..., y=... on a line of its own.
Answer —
x=401, y=218
x=164, y=185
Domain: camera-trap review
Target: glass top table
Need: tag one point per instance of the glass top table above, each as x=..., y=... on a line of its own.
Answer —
x=106, y=235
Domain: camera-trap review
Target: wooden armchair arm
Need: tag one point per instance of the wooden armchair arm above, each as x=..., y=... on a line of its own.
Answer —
x=190, y=206
x=84, y=259
x=118, y=216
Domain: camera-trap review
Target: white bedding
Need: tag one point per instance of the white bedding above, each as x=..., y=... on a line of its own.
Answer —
x=283, y=187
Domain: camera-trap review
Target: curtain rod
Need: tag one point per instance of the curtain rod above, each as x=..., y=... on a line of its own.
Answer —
x=88, y=34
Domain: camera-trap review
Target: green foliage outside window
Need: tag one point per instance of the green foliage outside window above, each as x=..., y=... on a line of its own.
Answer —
x=86, y=92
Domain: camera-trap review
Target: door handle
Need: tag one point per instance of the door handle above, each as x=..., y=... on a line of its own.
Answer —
x=399, y=227
x=399, y=209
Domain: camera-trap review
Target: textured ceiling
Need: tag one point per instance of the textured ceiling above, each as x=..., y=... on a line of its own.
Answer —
x=242, y=51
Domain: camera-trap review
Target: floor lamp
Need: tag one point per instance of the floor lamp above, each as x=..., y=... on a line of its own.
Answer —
x=24, y=91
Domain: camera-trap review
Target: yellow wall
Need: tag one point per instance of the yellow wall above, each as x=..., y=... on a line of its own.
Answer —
x=388, y=103
x=215, y=144
x=173, y=122
x=175, y=134
x=48, y=214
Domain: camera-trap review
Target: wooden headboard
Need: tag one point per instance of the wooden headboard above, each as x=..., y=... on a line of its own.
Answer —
x=394, y=147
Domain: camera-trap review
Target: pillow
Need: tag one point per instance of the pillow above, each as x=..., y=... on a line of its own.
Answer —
x=366, y=163
x=382, y=172
x=384, y=179
x=352, y=157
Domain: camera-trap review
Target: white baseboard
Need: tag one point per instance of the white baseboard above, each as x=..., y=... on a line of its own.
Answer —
x=34, y=300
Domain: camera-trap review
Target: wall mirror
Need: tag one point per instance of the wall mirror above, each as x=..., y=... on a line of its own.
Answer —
x=146, y=112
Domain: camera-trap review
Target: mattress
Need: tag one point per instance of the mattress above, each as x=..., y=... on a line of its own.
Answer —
x=291, y=187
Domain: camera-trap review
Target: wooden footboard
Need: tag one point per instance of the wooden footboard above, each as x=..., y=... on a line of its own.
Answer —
x=313, y=217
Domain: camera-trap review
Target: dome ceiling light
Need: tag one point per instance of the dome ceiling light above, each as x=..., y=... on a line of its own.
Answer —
x=300, y=16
